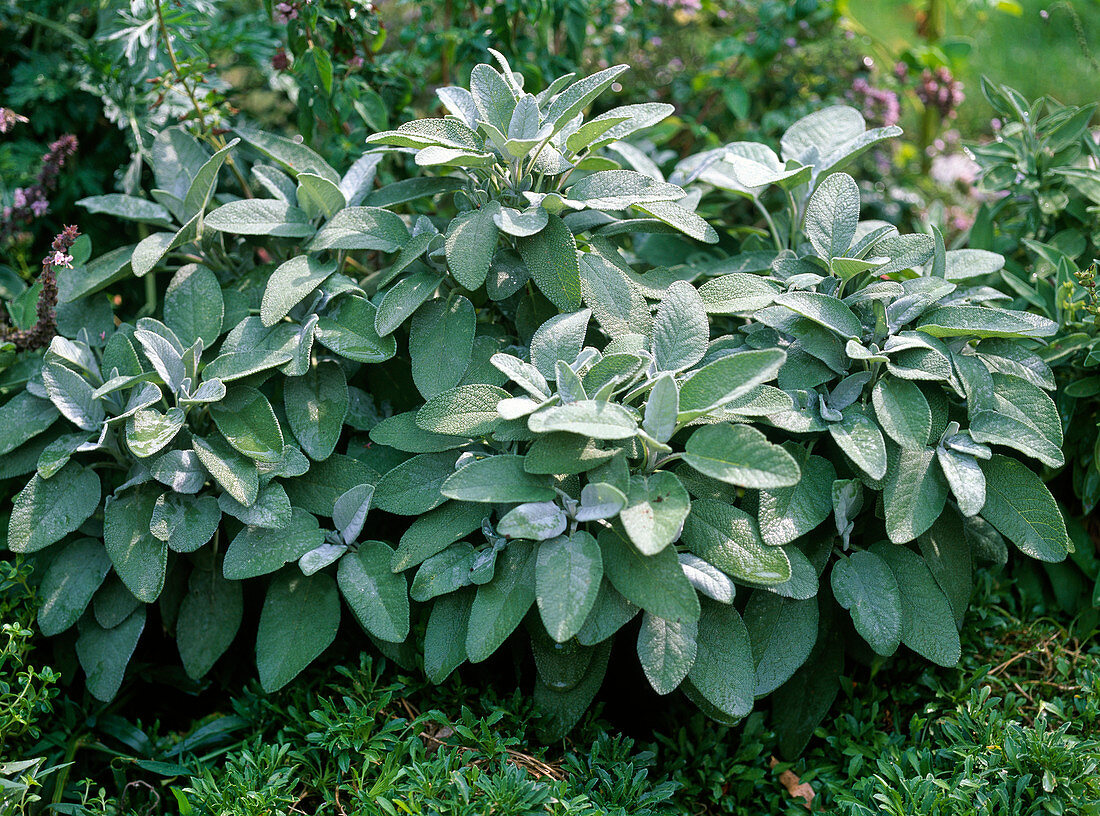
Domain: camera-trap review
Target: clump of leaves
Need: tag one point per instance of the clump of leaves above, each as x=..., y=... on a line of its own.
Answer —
x=493, y=401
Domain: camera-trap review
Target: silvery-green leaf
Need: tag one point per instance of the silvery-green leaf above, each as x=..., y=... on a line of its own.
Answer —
x=913, y=494
x=666, y=651
x=737, y=292
x=378, y=597
x=248, y=422
x=57, y=454
x=350, y=512
x=470, y=244
x=72, y=395
x=559, y=338
x=348, y=328
x=237, y=365
x=319, y=196
x=568, y=571
x=234, y=472
x=551, y=259
x=681, y=330
x=497, y=479
x=104, y=653
x=984, y=321
x=782, y=632
x=362, y=228
x=729, y=539
x=656, y=507
x=468, y=410
x=903, y=412
x=1020, y=507
x=741, y=455
x=516, y=407
x=45, y=511
x=537, y=521
x=77, y=353
x=185, y=524
x=707, y=578
x=600, y=500
x=861, y=439
x=139, y=558
x=577, y=96
x=271, y=509
x=927, y=623
x=682, y=219
x=300, y=618
x=824, y=310
x=598, y=420
x=209, y=391
x=290, y=283
x=317, y=559
x=443, y=572
x=193, y=305
x=166, y=359
x=525, y=375
x=151, y=250
x=69, y=583
x=412, y=488
x=865, y=585
x=832, y=214
x=725, y=379
x=259, y=551
x=619, y=189
x=441, y=341
x=128, y=207
x=316, y=404
x=22, y=418
x=180, y=470
x=261, y=216
x=292, y=155
x=148, y=431
x=520, y=223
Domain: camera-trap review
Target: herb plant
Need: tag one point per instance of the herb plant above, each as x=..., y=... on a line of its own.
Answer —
x=484, y=412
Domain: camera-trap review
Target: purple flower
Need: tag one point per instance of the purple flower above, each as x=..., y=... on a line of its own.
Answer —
x=878, y=104
x=61, y=259
x=19, y=197
x=285, y=12
x=39, y=207
x=790, y=42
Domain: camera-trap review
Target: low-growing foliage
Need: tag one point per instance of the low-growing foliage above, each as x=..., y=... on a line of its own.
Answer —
x=26, y=692
x=476, y=398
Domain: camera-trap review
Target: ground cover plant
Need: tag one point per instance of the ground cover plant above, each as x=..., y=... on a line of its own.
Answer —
x=475, y=397
x=1012, y=728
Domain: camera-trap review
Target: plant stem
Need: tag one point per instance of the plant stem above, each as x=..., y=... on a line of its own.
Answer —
x=771, y=224
x=176, y=66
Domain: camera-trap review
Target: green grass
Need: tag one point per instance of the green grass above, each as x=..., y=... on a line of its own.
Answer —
x=1033, y=55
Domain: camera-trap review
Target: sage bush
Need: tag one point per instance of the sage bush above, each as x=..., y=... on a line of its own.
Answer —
x=478, y=397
